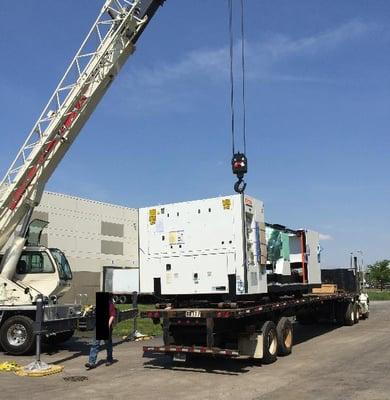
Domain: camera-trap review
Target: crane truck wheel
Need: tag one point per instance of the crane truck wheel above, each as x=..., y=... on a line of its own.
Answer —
x=270, y=342
x=17, y=335
x=58, y=338
x=284, y=333
x=349, y=318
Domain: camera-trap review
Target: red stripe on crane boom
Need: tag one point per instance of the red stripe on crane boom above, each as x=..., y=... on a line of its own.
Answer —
x=19, y=192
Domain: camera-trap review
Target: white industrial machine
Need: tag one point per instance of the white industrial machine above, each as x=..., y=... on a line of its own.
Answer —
x=27, y=272
x=219, y=246
x=198, y=246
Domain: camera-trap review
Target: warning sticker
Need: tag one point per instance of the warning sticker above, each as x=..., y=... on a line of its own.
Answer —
x=248, y=202
x=176, y=237
x=226, y=203
x=152, y=216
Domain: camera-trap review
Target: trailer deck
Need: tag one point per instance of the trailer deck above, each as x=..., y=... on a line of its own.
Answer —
x=237, y=310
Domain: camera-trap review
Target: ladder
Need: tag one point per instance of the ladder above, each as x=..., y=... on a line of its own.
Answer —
x=110, y=41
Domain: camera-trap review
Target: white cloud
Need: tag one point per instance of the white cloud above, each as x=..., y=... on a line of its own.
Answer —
x=281, y=46
x=173, y=85
x=262, y=56
x=325, y=237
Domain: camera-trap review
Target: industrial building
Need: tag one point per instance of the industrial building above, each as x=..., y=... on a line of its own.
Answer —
x=92, y=234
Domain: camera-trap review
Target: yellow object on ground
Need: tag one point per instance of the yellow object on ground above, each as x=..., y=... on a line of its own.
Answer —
x=12, y=366
x=142, y=338
x=53, y=369
x=9, y=366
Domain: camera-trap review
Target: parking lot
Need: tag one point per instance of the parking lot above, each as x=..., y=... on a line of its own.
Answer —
x=327, y=363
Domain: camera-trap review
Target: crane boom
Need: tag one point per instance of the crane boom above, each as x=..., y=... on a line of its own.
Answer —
x=110, y=41
x=108, y=44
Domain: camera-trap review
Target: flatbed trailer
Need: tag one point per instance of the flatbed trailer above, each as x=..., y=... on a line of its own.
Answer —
x=260, y=329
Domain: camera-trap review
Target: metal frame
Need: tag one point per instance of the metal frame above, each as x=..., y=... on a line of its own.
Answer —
x=242, y=312
x=191, y=349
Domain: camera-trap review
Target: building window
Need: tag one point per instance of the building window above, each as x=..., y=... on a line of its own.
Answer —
x=112, y=229
x=114, y=248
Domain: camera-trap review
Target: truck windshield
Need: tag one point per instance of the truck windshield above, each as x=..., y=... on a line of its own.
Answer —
x=63, y=265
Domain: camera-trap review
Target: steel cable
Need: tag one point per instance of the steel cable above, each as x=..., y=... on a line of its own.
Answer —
x=230, y=5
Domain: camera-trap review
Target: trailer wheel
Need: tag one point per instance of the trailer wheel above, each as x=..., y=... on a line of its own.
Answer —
x=365, y=315
x=284, y=332
x=270, y=342
x=17, y=335
x=349, y=318
x=357, y=313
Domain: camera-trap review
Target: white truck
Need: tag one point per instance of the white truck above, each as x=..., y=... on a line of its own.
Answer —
x=28, y=269
x=121, y=282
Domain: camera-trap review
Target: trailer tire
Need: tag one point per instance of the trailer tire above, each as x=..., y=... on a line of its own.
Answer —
x=58, y=338
x=17, y=335
x=284, y=332
x=357, y=313
x=270, y=342
x=366, y=315
x=349, y=318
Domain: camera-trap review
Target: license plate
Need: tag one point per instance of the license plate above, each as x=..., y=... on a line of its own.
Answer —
x=193, y=314
x=179, y=357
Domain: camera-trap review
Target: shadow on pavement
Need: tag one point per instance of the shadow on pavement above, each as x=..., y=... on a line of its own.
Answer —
x=303, y=333
x=197, y=363
x=77, y=347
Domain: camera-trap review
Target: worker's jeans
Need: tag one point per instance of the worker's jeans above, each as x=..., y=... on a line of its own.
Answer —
x=95, y=349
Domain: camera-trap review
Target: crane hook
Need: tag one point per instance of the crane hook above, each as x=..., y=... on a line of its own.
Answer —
x=239, y=168
x=239, y=186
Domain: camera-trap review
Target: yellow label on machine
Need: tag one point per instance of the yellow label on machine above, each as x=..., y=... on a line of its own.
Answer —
x=152, y=216
x=226, y=204
x=172, y=237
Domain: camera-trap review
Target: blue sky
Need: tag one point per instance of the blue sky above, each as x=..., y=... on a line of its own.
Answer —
x=318, y=98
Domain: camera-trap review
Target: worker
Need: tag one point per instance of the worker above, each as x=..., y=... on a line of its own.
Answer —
x=96, y=343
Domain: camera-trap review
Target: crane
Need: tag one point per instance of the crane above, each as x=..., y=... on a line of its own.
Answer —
x=107, y=46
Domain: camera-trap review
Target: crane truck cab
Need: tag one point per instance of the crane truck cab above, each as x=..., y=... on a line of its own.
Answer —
x=45, y=270
x=39, y=270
